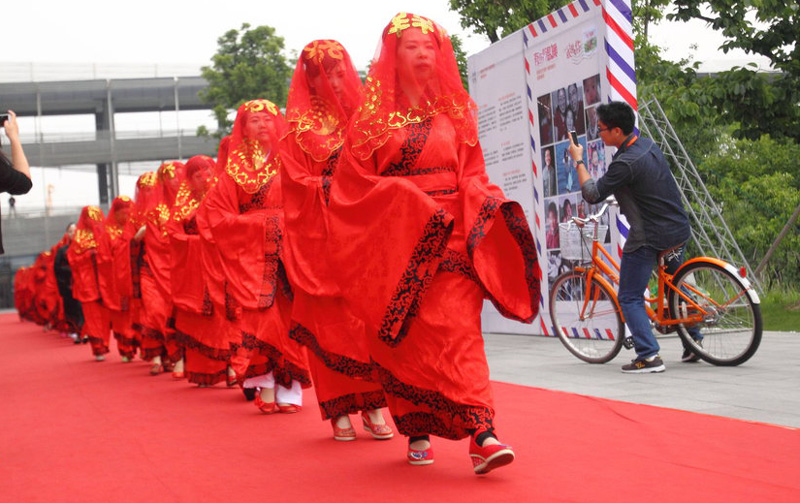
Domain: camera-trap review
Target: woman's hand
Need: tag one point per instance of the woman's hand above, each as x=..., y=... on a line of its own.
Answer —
x=11, y=127
x=18, y=159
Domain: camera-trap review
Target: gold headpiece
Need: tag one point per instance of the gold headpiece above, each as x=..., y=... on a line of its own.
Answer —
x=318, y=49
x=255, y=106
x=167, y=171
x=95, y=213
x=148, y=179
x=404, y=21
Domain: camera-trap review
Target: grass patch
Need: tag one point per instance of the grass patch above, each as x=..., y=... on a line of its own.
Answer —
x=781, y=311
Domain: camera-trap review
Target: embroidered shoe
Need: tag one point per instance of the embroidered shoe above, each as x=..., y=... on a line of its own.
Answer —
x=289, y=408
x=423, y=457
x=489, y=457
x=378, y=431
x=264, y=407
x=645, y=366
x=343, y=434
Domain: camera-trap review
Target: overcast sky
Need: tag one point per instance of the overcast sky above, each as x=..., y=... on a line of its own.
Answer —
x=186, y=31
x=178, y=32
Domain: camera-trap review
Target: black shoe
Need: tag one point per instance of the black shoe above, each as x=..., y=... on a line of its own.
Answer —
x=85, y=340
x=690, y=356
x=655, y=364
x=249, y=394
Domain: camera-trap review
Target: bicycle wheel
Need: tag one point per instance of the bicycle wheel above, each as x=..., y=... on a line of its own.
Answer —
x=731, y=331
x=586, y=320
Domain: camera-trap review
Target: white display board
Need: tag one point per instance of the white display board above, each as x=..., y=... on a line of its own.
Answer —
x=531, y=88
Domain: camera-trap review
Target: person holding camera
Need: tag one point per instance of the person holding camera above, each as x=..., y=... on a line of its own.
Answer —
x=649, y=197
x=15, y=174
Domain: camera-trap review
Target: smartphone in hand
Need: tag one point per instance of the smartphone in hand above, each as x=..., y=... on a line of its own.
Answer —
x=3, y=119
x=574, y=136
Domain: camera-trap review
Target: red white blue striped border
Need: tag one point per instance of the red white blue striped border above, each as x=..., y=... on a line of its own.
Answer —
x=534, y=166
x=561, y=16
x=620, y=73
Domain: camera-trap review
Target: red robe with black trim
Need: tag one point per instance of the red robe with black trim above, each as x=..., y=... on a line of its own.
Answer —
x=200, y=326
x=248, y=230
x=321, y=319
x=418, y=238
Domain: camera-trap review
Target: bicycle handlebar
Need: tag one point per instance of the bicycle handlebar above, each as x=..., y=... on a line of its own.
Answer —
x=610, y=201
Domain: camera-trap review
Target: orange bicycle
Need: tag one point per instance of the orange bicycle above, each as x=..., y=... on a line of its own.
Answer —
x=709, y=302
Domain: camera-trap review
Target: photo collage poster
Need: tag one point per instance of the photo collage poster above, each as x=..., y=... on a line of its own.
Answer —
x=557, y=68
x=567, y=84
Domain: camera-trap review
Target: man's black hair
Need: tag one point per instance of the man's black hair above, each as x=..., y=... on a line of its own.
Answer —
x=617, y=114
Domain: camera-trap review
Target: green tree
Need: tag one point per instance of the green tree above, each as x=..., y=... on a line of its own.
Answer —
x=249, y=64
x=645, y=13
x=760, y=103
x=758, y=189
x=499, y=18
x=676, y=86
x=461, y=59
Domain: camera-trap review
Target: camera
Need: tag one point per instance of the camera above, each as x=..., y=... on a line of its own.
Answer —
x=3, y=119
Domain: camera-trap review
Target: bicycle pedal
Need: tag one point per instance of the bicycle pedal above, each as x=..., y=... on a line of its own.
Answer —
x=628, y=342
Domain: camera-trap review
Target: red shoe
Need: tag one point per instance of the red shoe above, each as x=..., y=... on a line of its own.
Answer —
x=424, y=457
x=178, y=375
x=289, y=408
x=264, y=407
x=379, y=431
x=343, y=434
x=489, y=457
x=231, y=380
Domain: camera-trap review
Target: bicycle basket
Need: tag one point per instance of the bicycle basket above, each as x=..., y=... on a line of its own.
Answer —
x=576, y=243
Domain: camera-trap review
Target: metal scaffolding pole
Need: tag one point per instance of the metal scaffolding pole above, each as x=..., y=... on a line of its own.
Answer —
x=709, y=231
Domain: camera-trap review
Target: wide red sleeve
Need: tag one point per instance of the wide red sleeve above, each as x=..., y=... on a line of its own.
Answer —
x=212, y=272
x=386, y=241
x=248, y=243
x=157, y=250
x=305, y=220
x=84, y=276
x=186, y=264
x=499, y=241
x=123, y=279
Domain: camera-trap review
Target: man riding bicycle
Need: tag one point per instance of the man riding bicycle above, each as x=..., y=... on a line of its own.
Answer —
x=640, y=179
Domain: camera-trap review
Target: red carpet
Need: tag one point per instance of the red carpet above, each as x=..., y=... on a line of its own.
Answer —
x=72, y=429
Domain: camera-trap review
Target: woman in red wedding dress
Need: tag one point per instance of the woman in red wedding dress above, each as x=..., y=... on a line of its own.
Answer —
x=109, y=259
x=83, y=257
x=158, y=337
x=324, y=93
x=129, y=257
x=219, y=345
x=244, y=214
x=419, y=237
x=197, y=324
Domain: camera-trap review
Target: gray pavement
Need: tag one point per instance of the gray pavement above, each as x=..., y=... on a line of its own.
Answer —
x=765, y=389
